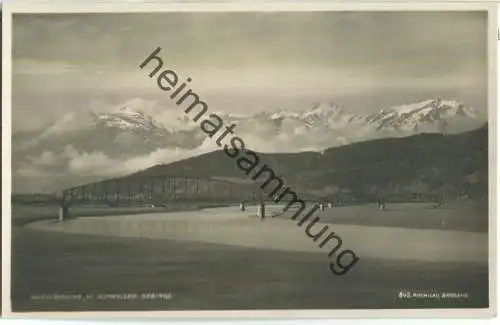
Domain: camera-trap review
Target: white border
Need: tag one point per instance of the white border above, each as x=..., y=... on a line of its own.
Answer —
x=113, y=7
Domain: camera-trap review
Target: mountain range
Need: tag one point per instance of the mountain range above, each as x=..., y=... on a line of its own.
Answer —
x=93, y=145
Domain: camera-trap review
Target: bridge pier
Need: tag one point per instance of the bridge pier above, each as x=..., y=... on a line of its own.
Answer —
x=261, y=211
x=63, y=207
x=63, y=213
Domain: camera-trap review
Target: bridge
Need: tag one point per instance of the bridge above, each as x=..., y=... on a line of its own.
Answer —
x=161, y=190
x=165, y=191
x=168, y=191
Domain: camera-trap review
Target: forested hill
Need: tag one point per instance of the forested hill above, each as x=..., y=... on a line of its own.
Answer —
x=424, y=163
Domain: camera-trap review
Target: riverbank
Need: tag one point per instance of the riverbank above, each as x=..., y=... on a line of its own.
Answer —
x=23, y=214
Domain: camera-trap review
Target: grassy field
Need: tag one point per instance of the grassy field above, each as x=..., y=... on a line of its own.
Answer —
x=468, y=215
x=204, y=276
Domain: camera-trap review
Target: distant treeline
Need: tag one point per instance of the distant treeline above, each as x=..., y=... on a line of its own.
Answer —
x=34, y=198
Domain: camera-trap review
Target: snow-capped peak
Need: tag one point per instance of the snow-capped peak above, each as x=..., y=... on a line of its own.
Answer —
x=444, y=108
x=126, y=118
x=128, y=112
x=323, y=109
x=281, y=113
x=410, y=116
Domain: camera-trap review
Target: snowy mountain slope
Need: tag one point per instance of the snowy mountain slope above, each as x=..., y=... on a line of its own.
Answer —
x=322, y=126
x=407, y=117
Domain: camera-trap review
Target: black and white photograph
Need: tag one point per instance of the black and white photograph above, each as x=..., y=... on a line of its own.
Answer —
x=250, y=160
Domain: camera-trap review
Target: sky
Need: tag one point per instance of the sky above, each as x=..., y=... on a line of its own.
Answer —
x=247, y=62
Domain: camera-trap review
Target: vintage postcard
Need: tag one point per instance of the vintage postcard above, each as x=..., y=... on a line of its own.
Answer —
x=278, y=160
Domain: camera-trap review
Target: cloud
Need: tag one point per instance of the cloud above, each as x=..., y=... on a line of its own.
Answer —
x=92, y=164
x=47, y=158
x=253, y=39
x=33, y=67
x=27, y=171
x=76, y=163
x=69, y=122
